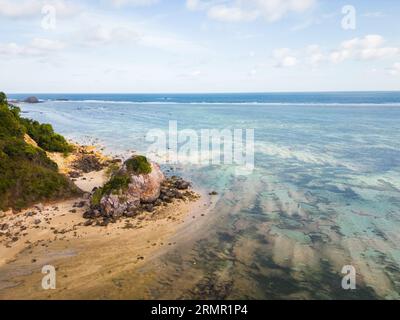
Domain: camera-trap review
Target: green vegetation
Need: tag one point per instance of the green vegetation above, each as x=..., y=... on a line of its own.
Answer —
x=116, y=183
x=27, y=175
x=45, y=137
x=138, y=165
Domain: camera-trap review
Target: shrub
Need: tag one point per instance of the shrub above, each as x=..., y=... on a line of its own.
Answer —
x=3, y=98
x=113, y=186
x=27, y=175
x=138, y=165
x=45, y=136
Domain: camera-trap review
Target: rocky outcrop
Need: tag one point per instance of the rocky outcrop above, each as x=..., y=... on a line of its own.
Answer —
x=87, y=163
x=129, y=193
x=31, y=100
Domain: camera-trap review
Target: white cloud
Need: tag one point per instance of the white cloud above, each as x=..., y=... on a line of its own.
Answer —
x=315, y=55
x=241, y=10
x=37, y=47
x=134, y=3
x=368, y=48
x=284, y=58
x=29, y=8
x=99, y=30
x=375, y=14
x=100, y=35
x=395, y=70
x=230, y=14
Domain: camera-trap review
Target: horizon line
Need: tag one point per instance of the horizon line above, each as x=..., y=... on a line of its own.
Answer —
x=217, y=92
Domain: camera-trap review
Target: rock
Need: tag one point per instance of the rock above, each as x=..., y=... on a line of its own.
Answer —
x=87, y=163
x=30, y=214
x=91, y=214
x=81, y=204
x=31, y=100
x=131, y=213
x=74, y=174
x=213, y=193
x=148, y=207
x=143, y=188
x=37, y=221
x=182, y=185
x=147, y=186
x=3, y=226
x=39, y=207
x=86, y=196
x=115, y=205
x=88, y=223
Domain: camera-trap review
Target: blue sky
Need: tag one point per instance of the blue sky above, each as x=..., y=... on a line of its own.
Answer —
x=198, y=46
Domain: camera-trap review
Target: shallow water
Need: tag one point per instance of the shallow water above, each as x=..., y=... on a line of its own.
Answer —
x=325, y=193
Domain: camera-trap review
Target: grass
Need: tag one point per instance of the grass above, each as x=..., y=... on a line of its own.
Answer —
x=138, y=165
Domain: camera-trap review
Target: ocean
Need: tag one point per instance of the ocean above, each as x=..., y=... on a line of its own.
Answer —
x=324, y=192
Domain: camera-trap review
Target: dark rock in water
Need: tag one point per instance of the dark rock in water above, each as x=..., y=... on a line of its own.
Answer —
x=31, y=100
x=213, y=193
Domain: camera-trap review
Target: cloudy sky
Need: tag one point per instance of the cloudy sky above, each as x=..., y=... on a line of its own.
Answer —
x=199, y=45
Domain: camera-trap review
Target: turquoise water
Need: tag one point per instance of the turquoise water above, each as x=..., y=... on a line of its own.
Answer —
x=325, y=191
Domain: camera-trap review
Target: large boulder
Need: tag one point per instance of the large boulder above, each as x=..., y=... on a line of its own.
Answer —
x=147, y=186
x=133, y=188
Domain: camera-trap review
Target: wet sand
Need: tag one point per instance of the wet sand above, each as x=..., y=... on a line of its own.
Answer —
x=91, y=261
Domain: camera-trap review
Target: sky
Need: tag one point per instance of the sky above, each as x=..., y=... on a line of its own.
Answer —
x=172, y=46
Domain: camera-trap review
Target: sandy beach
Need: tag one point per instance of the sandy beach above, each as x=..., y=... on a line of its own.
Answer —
x=89, y=260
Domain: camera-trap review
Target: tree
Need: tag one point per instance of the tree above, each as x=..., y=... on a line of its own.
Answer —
x=3, y=98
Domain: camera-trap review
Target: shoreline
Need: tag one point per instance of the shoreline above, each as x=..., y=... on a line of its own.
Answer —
x=55, y=234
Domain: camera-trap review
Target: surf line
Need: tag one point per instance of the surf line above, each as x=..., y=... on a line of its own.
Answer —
x=160, y=310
